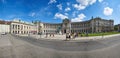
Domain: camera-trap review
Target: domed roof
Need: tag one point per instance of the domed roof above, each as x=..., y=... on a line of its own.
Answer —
x=66, y=21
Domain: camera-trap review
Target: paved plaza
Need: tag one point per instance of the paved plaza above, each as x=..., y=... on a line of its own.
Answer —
x=63, y=37
x=12, y=46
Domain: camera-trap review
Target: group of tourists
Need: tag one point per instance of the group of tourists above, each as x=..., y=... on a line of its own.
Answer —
x=50, y=35
x=71, y=36
x=68, y=35
x=74, y=35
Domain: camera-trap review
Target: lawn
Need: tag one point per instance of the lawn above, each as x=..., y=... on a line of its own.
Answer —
x=100, y=34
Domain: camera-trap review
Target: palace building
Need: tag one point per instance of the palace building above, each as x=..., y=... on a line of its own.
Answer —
x=93, y=25
x=4, y=26
x=21, y=27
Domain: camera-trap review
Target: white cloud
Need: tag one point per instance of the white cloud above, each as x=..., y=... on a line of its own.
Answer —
x=52, y=1
x=74, y=13
x=59, y=6
x=79, y=18
x=92, y=1
x=32, y=14
x=83, y=4
x=79, y=6
x=60, y=16
x=108, y=11
x=68, y=4
x=100, y=1
x=67, y=9
x=86, y=2
x=66, y=14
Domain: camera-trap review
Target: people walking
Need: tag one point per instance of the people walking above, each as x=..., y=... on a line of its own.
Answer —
x=67, y=36
x=53, y=34
x=50, y=34
x=46, y=35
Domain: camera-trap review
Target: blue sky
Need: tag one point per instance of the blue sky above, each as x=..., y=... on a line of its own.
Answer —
x=54, y=11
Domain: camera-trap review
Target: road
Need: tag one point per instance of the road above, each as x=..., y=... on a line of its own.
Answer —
x=25, y=47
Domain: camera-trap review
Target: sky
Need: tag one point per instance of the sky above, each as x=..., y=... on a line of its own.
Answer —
x=54, y=11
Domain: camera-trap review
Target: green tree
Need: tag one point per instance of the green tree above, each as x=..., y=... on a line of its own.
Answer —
x=116, y=27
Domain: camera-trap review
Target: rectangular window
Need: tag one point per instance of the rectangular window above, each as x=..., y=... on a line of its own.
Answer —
x=13, y=26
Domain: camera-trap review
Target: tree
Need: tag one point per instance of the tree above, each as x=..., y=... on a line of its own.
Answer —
x=116, y=27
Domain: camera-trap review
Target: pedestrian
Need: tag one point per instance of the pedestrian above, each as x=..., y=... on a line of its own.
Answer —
x=46, y=35
x=67, y=36
x=50, y=34
x=53, y=34
x=77, y=34
x=40, y=34
x=74, y=35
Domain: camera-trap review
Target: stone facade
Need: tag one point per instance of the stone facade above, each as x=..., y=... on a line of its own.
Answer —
x=102, y=25
x=91, y=26
x=66, y=26
x=4, y=26
x=19, y=27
